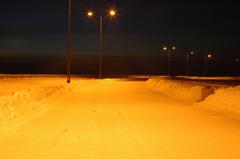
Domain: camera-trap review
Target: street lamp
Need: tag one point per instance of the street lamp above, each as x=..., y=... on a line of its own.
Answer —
x=169, y=51
x=207, y=57
x=112, y=13
x=89, y=14
x=187, y=64
x=69, y=41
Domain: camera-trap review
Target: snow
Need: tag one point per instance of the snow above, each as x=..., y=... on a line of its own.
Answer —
x=111, y=118
x=177, y=89
x=224, y=99
x=225, y=78
x=18, y=106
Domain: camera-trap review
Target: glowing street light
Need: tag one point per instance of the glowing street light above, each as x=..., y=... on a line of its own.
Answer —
x=112, y=13
x=90, y=14
x=187, y=64
x=208, y=57
x=169, y=51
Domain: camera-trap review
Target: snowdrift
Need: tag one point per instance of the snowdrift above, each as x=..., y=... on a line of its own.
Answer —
x=19, y=107
x=225, y=78
x=24, y=99
x=177, y=89
x=224, y=99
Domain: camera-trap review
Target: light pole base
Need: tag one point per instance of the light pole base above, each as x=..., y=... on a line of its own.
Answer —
x=68, y=80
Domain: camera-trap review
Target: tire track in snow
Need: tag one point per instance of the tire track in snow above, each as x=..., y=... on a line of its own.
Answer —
x=57, y=139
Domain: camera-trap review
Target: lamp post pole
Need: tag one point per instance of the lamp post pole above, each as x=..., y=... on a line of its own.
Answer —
x=168, y=50
x=187, y=64
x=127, y=56
x=237, y=64
x=206, y=66
x=169, y=58
x=69, y=41
x=149, y=59
x=208, y=57
x=101, y=47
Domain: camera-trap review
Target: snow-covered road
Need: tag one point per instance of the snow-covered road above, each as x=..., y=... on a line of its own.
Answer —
x=114, y=119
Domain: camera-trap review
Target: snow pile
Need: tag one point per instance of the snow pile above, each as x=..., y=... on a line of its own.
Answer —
x=181, y=90
x=225, y=78
x=19, y=107
x=224, y=99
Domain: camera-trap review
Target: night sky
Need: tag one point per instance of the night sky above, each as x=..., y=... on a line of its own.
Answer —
x=38, y=27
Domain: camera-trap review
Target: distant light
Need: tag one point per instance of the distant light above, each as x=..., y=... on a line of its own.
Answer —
x=237, y=60
x=191, y=52
x=90, y=14
x=209, y=56
x=174, y=48
x=112, y=12
x=165, y=48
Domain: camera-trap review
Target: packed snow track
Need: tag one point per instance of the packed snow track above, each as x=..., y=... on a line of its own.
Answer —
x=44, y=118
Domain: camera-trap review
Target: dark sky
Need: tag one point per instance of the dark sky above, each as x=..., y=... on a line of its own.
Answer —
x=202, y=24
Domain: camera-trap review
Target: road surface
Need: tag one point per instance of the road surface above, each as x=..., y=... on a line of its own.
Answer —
x=114, y=119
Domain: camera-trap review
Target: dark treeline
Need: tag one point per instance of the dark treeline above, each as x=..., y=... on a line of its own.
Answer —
x=118, y=65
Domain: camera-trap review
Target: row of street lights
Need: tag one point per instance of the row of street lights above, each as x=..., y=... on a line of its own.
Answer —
x=170, y=49
x=112, y=13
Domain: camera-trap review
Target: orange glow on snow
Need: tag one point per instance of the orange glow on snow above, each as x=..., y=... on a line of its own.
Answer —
x=108, y=119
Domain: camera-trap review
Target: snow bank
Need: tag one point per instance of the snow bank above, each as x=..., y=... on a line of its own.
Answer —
x=177, y=89
x=24, y=99
x=222, y=78
x=19, y=107
x=224, y=99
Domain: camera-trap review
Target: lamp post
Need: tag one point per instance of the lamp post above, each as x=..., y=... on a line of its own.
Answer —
x=237, y=60
x=101, y=47
x=127, y=56
x=207, y=57
x=112, y=13
x=149, y=58
x=69, y=41
x=169, y=51
x=187, y=64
